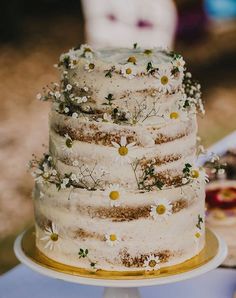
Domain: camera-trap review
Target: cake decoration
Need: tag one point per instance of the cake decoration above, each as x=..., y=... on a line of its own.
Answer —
x=112, y=239
x=152, y=263
x=51, y=237
x=162, y=209
x=120, y=168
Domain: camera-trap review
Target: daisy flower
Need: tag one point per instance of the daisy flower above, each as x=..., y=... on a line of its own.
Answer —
x=165, y=80
x=128, y=70
x=161, y=209
x=179, y=63
x=176, y=114
x=51, y=237
x=90, y=66
x=114, y=194
x=112, y=239
x=67, y=145
x=64, y=183
x=197, y=234
x=152, y=263
x=86, y=51
x=107, y=117
x=123, y=150
x=199, y=173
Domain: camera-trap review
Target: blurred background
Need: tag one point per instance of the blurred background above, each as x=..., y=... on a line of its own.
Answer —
x=34, y=33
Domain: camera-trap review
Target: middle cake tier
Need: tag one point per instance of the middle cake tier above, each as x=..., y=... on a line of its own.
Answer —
x=143, y=157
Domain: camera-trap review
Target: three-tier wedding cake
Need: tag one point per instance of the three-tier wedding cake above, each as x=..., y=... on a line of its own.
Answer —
x=119, y=189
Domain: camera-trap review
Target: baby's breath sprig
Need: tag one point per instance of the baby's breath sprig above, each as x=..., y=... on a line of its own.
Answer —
x=148, y=180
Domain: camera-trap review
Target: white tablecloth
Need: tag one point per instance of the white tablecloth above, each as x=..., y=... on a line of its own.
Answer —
x=22, y=282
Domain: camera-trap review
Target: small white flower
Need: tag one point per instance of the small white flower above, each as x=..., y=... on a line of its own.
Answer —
x=39, y=96
x=197, y=234
x=123, y=150
x=165, y=79
x=75, y=163
x=107, y=117
x=162, y=209
x=112, y=239
x=86, y=51
x=128, y=70
x=68, y=87
x=75, y=115
x=85, y=88
x=57, y=94
x=81, y=99
x=66, y=110
x=51, y=237
x=114, y=195
x=73, y=177
x=176, y=114
x=179, y=63
x=152, y=263
x=90, y=66
x=199, y=173
x=64, y=183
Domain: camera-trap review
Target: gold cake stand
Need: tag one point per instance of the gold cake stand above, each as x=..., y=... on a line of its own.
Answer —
x=121, y=284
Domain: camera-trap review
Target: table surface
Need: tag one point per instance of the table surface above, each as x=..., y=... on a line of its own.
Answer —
x=22, y=282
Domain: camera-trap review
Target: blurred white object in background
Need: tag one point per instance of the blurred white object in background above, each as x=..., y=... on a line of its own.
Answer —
x=125, y=22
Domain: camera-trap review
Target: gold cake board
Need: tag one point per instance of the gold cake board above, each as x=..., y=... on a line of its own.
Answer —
x=25, y=249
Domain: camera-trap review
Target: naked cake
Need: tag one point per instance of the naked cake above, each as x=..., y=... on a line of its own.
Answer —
x=119, y=189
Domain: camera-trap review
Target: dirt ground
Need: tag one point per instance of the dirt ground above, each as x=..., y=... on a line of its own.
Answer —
x=25, y=69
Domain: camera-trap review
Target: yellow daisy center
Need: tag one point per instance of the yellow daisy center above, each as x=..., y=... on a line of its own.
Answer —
x=160, y=209
x=128, y=71
x=152, y=263
x=114, y=195
x=132, y=59
x=123, y=150
x=174, y=115
x=148, y=52
x=91, y=66
x=113, y=237
x=195, y=174
x=54, y=237
x=164, y=80
x=74, y=62
x=197, y=235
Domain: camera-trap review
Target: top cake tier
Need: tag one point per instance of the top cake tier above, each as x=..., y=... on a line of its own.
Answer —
x=122, y=85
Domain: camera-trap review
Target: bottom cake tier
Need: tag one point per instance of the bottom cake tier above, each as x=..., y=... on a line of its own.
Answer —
x=120, y=230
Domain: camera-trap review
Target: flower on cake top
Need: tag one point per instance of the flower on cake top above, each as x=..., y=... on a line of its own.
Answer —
x=165, y=79
x=51, y=237
x=112, y=239
x=152, y=263
x=128, y=70
x=114, y=194
x=86, y=51
x=90, y=66
x=123, y=150
x=179, y=63
x=162, y=209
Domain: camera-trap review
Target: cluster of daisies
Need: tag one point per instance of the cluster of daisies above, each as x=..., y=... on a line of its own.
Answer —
x=67, y=98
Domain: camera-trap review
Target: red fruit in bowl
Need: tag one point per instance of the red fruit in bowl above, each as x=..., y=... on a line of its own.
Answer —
x=221, y=197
